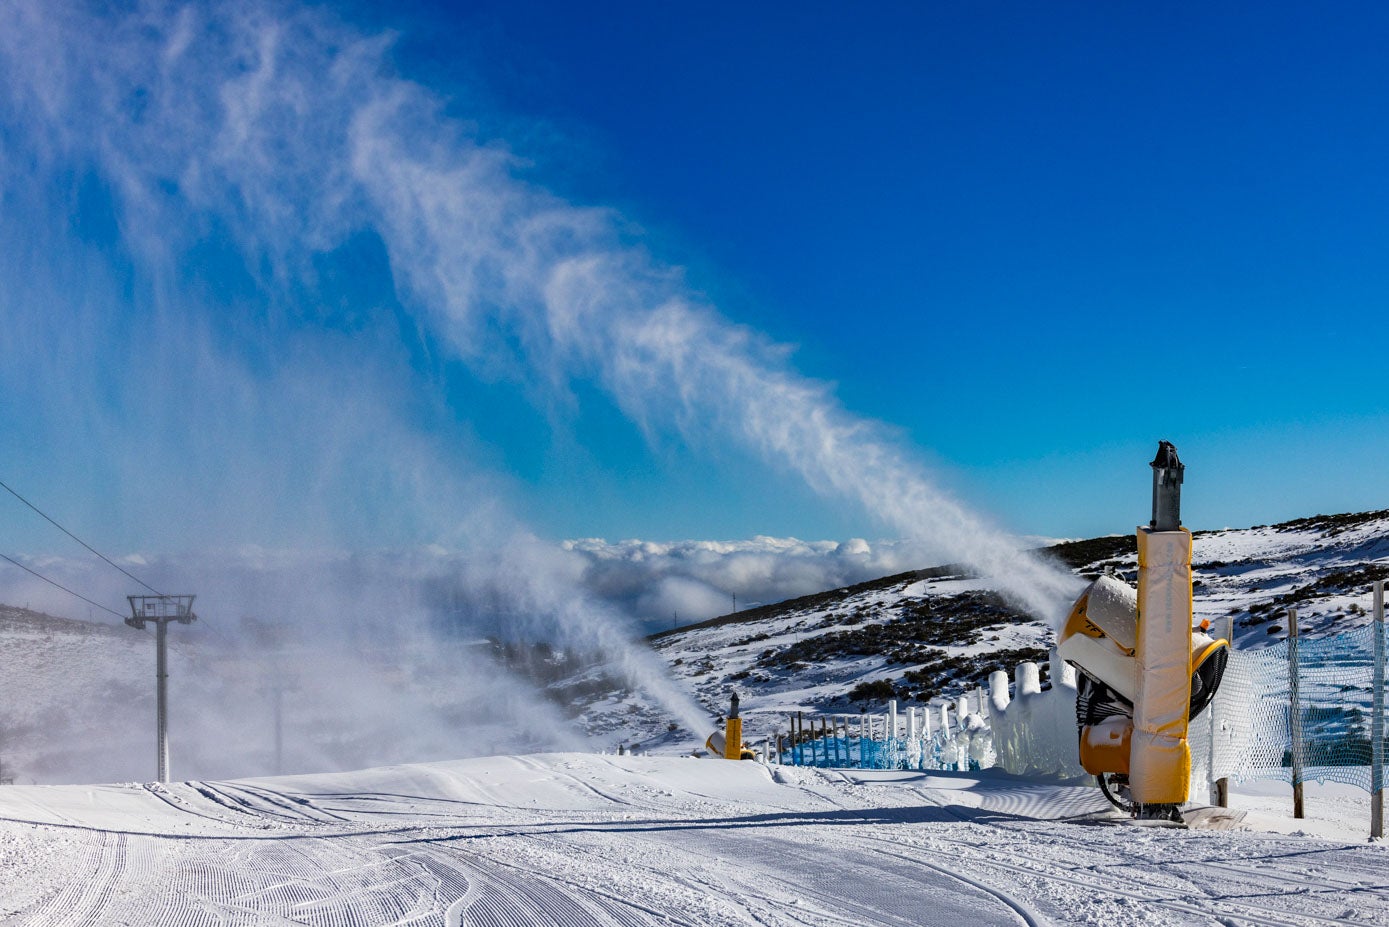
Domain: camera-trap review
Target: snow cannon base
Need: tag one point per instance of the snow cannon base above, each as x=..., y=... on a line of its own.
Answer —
x=715, y=745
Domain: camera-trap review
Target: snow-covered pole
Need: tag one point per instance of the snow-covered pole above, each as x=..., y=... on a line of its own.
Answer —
x=911, y=724
x=892, y=719
x=1377, y=721
x=945, y=719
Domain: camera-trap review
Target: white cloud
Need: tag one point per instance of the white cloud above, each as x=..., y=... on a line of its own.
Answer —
x=698, y=579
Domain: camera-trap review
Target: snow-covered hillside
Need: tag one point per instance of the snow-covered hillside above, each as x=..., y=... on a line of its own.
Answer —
x=78, y=700
x=933, y=633
x=580, y=840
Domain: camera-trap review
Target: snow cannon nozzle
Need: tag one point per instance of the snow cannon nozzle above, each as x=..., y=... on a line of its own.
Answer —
x=1167, y=488
x=733, y=706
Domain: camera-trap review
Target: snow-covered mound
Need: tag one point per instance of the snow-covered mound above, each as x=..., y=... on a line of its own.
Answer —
x=585, y=840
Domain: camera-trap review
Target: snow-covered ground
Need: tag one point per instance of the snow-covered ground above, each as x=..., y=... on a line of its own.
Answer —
x=588, y=839
x=585, y=839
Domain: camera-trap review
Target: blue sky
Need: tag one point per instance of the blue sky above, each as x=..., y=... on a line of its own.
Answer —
x=1037, y=238
x=1029, y=240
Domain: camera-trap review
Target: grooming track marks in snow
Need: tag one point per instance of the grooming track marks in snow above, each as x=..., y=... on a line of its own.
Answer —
x=580, y=840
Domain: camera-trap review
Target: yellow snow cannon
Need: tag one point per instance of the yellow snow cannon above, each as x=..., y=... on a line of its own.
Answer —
x=1144, y=671
x=1100, y=640
x=728, y=743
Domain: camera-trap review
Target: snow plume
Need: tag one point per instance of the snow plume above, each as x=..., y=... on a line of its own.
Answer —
x=262, y=243
x=287, y=131
x=188, y=331
x=375, y=658
x=472, y=244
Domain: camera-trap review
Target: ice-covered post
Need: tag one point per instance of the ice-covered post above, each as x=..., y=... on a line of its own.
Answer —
x=998, y=691
x=1377, y=721
x=1295, y=713
x=892, y=720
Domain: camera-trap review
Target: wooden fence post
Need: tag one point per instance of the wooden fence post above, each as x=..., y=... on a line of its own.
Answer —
x=1295, y=716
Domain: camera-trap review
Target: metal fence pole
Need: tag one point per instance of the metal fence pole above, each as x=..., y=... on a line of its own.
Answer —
x=1295, y=716
x=1211, y=788
x=1377, y=721
x=1222, y=783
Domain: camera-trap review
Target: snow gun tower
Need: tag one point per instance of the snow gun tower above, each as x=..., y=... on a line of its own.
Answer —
x=728, y=743
x=161, y=609
x=1145, y=672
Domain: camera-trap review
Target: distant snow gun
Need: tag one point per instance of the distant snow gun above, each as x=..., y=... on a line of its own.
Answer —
x=728, y=743
x=1145, y=672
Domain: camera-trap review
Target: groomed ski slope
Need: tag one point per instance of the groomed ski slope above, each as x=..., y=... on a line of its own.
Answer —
x=580, y=840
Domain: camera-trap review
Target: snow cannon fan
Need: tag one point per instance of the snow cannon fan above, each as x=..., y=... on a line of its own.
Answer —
x=1144, y=671
x=1099, y=639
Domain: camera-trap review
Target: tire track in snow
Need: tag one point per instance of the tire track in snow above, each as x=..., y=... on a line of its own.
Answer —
x=518, y=881
x=774, y=874
x=1195, y=900
x=502, y=897
x=285, y=805
x=1026, y=914
x=88, y=898
x=178, y=804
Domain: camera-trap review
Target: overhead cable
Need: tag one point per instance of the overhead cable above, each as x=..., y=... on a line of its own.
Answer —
x=58, y=585
x=79, y=541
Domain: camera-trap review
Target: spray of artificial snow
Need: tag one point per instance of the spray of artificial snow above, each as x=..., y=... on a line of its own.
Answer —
x=263, y=140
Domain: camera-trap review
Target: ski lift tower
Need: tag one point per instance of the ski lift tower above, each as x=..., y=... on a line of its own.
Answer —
x=161, y=609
